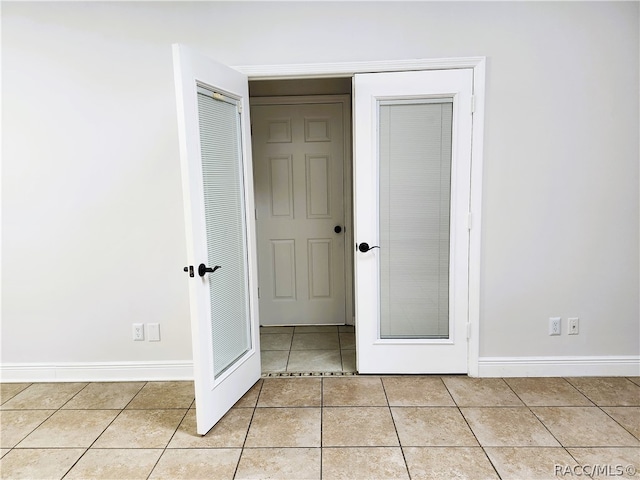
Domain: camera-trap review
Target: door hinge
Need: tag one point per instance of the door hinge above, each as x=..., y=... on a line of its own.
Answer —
x=239, y=107
x=473, y=104
x=469, y=218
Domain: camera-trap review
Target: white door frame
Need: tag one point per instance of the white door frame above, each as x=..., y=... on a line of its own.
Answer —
x=347, y=69
x=347, y=178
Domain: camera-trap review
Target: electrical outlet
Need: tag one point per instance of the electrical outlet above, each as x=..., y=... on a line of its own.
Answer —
x=153, y=332
x=574, y=326
x=554, y=325
x=138, y=332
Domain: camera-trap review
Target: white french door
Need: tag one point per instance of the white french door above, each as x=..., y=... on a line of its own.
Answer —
x=215, y=152
x=412, y=190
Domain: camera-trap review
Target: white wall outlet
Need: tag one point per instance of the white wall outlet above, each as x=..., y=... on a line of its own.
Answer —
x=554, y=325
x=574, y=326
x=138, y=332
x=153, y=332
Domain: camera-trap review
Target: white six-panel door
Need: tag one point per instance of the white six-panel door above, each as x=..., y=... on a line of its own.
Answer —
x=298, y=172
x=412, y=189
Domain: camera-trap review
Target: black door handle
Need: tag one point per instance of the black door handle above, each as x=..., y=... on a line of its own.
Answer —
x=337, y=229
x=189, y=269
x=202, y=269
x=364, y=247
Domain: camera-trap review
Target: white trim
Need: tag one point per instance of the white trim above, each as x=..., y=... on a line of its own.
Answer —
x=347, y=69
x=478, y=64
x=585, y=366
x=96, y=371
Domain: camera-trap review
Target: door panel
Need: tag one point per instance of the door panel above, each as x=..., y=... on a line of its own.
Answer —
x=299, y=188
x=412, y=184
x=212, y=104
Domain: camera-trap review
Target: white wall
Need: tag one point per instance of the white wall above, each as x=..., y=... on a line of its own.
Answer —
x=93, y=235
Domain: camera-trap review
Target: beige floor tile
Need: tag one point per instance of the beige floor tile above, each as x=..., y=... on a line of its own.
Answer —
x=38, y=464
x=291, y=392
x=69, y=429
x=3, y=452
x=284, y=427
x=109, y=464
x=348, y=360
x=437, y=463
x=609, y=392
x=276, y=330
x=616, y=462
x=315, y=341
x=353, y=392
x=432, y=426
x=276, y=341
x=17, y=424
x=316, y=329
x=628, y=417
x=527, y=463
x=358, y=427
x=363, y=463
x=141, y=429
x=229, y=432
x=584, y=427
x=163, y=395
x=105, y=396
x=347, y=341
x=197, y=463
x=279, y=463
x=314, y=361
x=274, y=360
x=45, y=396
x=10, y=390
x=547, y=392
x=250, y=398
x=507, y=427
x=481, y=392
x=635, y=380
x=416, y=391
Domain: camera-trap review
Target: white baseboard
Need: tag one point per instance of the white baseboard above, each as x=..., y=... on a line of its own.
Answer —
x=606, y=366
x=96, y=371
x=591, y=366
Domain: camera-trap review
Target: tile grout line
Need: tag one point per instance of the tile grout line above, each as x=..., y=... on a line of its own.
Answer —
x=321, y=424
x=164, y=449
x=395, y=428
x=542, y=423
x=455, y=402
x=103, y=430
x=246, y=435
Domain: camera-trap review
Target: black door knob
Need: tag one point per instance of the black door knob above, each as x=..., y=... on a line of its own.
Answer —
x=337, y=229
x=364, y=247
x=202, y=269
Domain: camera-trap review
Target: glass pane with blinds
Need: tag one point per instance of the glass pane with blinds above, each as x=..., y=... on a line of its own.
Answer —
x=414, y=207
x=223, y=182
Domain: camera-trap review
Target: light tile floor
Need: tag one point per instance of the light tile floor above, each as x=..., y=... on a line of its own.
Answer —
x=349, y=427
x=308, y=349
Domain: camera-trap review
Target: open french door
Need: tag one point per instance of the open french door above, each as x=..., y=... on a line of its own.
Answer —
x=215, y=152
x=412, y=189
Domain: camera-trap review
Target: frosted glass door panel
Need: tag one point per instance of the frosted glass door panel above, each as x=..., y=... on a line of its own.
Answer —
x=220, y=143
x=414, y=203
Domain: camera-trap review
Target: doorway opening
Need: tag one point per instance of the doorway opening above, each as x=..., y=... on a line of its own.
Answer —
x=302, y=151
